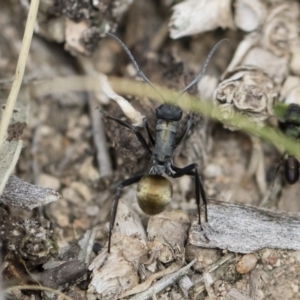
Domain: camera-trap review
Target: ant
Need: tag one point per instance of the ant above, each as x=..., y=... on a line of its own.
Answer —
x=290, y=125
x=154, y=191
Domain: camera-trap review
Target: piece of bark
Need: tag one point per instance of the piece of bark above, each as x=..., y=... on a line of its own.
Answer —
x=245, y=229
x=65, y=273
x=25, y=195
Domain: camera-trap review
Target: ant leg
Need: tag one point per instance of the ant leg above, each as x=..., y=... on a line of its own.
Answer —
x=135, y=131
x=123, y=184
x=186, y=130
x=199, y=187
x=277, y=169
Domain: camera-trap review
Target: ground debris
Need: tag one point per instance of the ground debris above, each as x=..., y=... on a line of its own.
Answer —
x=25, y=195
x=115, y=272
x=66, y=272
x=245, y=229
x=168, y=231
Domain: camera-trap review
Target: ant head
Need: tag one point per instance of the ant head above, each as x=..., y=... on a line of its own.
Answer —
x=169, y=112
x=292, y=114
x=154, y=193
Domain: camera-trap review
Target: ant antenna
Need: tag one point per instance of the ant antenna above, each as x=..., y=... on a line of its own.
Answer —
x=139, y=72
x=201, y=74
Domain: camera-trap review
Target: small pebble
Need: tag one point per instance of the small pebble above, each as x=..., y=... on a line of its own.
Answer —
x=92, y=210
x=212, y=171
x=83, y=190
x=49, y=181
x=246, y=264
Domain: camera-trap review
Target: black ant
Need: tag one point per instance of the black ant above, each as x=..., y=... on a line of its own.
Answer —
x=154, y=192
x=290, y=125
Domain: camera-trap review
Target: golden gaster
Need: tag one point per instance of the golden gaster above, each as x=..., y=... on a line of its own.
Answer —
x=154, y=193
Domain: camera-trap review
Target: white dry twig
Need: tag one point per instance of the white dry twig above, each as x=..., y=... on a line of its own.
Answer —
x=136, y=118
x=34, y=5
x=164, y=283
x=10, y=104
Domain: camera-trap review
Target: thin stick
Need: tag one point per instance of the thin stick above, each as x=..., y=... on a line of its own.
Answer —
x=103, y=158
x=164, y=283
x=36, y=288
x=10, y=104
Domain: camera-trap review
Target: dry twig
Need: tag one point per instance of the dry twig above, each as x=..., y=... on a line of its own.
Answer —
x=163, y=283
x=34, y=5
x=103, y=158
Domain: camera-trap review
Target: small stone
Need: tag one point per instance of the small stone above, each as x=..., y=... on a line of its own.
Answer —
x=260, y=295
x=16, y=233
x=45, y=130
x=205, y=257
x=265, y=255
x=297, y=255
x=212, y=171
x=83, y=190
x=273, y=258
x=270, y=257
x=92, y=210
x=71, y=195
x=278, y=263
x=49, y=181
x=295, y=288
x=75, y=133
x=246, y=264
x=88, y=172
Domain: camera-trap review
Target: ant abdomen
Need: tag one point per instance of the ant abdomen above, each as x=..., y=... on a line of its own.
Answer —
x=291, y=169
x=154, y=193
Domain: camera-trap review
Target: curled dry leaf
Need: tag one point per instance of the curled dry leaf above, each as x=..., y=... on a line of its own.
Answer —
x=243, y=48
x=275, y=67
x=247, y=90
x=249, y=53
x=249, y=15
x=169, y=229
x=194, y=16
x=295, y=59
x=116, y=272
x=207, y=86
x=280, y=30
x=290, y=92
